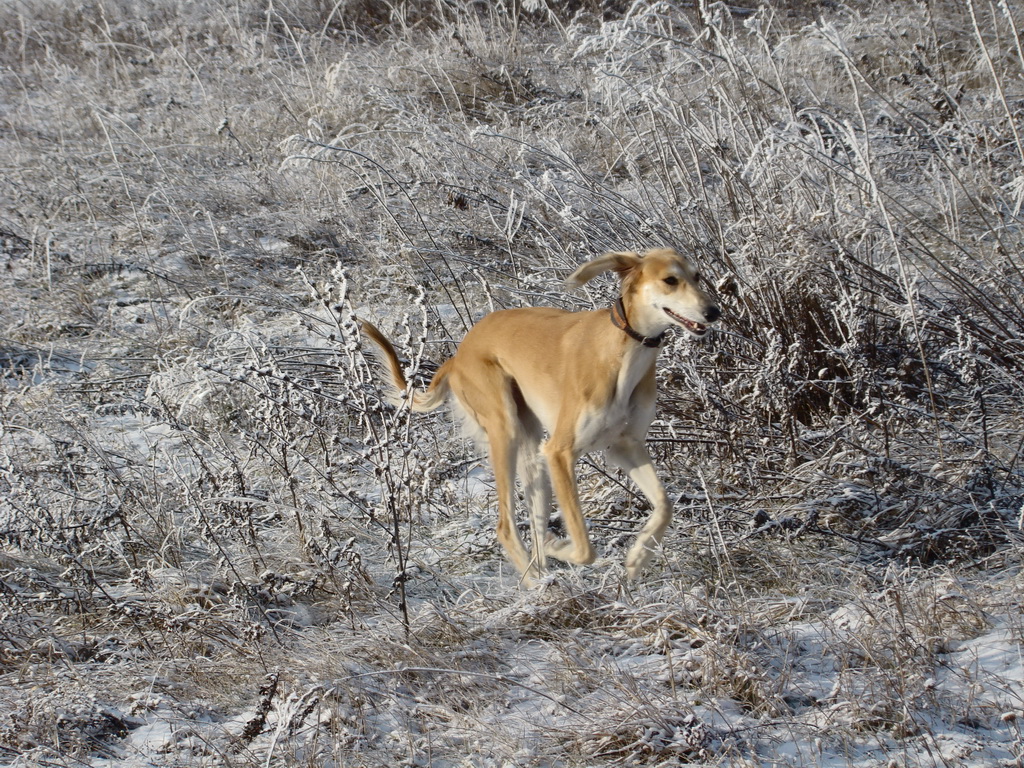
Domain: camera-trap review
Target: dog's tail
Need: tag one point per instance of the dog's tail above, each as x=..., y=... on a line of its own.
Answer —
x=432, y=398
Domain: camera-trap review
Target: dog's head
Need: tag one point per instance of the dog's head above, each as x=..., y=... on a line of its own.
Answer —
x=660, y=288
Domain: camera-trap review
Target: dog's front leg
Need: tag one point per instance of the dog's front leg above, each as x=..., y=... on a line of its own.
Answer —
x=632, y=456
x=562, y=466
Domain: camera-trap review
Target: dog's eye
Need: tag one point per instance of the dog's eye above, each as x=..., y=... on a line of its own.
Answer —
x=671, y=280
x=697, y=278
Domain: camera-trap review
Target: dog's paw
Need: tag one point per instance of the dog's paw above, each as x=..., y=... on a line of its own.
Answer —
x=636, y=561
x=556, y=547
x=567, y=551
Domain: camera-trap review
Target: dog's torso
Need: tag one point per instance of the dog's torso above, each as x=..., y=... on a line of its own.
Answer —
x=607, y=392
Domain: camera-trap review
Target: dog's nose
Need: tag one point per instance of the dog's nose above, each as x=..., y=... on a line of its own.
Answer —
x=712, y=313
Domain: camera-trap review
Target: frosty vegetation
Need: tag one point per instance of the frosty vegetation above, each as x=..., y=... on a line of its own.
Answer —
x=220, y=546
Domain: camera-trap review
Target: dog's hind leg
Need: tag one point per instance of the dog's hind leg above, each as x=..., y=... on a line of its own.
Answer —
x=486, y=396
x=537, y=490
x=533, y=473
x=632, y=456
x=504, y=448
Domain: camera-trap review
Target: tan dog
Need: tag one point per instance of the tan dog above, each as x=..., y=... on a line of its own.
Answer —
x=583, y=379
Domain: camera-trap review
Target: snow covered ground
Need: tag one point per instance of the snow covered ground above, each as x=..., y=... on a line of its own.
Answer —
x=219, y=546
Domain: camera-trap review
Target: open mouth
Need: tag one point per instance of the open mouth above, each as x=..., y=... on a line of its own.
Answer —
x=697, y=329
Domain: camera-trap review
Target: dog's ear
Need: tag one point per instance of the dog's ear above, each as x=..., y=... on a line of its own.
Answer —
x=619, y=261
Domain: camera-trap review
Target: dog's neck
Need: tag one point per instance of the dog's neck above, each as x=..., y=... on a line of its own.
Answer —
x=621, y=321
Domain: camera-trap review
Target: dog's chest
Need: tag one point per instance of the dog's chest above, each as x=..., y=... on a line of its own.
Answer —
x=628, y=411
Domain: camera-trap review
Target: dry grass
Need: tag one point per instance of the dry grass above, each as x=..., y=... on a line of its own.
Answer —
x=220, y=545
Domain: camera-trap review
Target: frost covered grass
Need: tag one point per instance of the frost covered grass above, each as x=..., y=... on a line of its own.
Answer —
x=218, y=545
